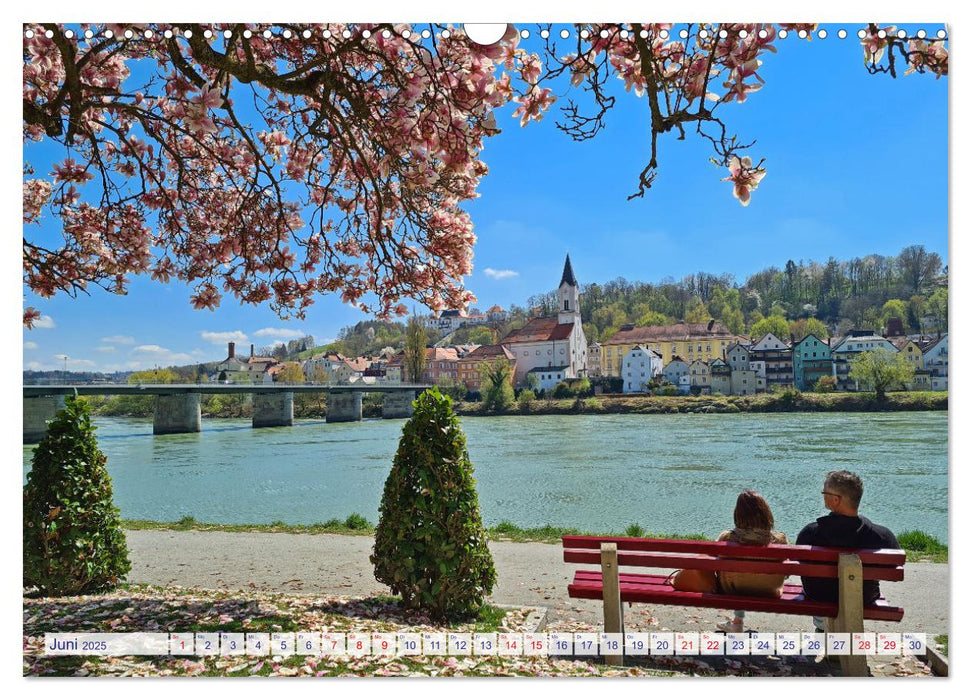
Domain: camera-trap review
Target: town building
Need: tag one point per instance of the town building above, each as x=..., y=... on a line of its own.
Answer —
x=746, y=382
x=547, y=377
x=448, y=321
x=738, y=357
x=721, y=376
x=594, y=368
x=640, y=366
x=675, y=370
x=775, y=357
x=700, y=376
x=847, y=348
x=812, y=359
x=333, y=368
x=553, y=341
x=470, y=365
x=690, y=341
x=238, y=370
x=441, y=365
x=935, y=362
x=909, y=350
x=496, y=314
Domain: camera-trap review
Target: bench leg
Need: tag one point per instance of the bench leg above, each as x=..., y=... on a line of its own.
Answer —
x=850, y=617
x=613, y=608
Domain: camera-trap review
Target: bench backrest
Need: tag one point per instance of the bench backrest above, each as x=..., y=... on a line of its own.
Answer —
x=790, y=559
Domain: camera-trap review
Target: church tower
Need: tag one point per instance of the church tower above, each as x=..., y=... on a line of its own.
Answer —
x=569, y=295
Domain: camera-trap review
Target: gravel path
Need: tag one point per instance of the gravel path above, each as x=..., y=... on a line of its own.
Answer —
x=529, y=574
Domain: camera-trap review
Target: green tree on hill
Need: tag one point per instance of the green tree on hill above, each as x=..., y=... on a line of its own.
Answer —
x=893, y=308
x=776, y=325
x=802, y=327
x=937, y=306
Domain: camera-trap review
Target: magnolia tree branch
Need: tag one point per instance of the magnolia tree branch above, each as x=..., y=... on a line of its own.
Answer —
x=270, y=169
x=688, y=76
x=278, y=169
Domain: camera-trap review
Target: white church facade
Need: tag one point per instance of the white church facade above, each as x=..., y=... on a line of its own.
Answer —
x=553, y=341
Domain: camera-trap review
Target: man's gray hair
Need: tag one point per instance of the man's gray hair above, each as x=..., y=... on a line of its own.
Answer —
x=846, y=484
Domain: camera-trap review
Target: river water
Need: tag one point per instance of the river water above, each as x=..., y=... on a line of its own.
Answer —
x=668, y=473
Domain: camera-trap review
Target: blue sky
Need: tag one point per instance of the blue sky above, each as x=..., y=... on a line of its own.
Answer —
x=857, y=164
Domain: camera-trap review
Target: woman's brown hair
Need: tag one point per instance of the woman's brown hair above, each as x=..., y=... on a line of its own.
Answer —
x=752, y=512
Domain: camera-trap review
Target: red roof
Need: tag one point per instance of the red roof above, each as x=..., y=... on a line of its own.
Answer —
x=487, y=352
x=672, y=332
x=441, y=354
x=539, y=330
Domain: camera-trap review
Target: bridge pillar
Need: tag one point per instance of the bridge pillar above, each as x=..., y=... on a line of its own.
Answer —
x=37, y=412
x=397, y=404
x=273, y=410
x=344, y=406
x=178, y=413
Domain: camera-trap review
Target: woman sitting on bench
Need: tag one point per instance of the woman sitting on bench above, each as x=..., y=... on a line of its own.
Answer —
x=753, y=526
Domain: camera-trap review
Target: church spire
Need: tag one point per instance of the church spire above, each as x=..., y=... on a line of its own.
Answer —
x=568, y=277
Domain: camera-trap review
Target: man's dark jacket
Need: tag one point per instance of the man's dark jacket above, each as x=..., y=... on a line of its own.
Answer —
x=843, y=531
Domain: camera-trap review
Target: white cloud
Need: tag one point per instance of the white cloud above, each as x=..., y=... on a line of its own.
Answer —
x=44, y=322
x=290, y=333
x=119, y=339
x=150, y=350
x=106, y=348
x=162, y=356
x=500, y=274
x=223, y=337
x=30, y=345
x=72, y=362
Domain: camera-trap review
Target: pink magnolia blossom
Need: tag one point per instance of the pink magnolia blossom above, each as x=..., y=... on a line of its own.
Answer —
x=745, y=178
x=349, y=179
x=874, y=45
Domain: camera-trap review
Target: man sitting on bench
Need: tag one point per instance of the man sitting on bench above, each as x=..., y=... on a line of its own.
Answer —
x=843, y=527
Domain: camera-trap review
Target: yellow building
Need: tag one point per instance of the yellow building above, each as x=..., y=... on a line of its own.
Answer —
x=909, y=350
x=689, y=341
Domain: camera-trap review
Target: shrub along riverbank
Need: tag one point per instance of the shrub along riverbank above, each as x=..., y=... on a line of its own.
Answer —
x=314, y=405
x=918, y=544
x=788, y=401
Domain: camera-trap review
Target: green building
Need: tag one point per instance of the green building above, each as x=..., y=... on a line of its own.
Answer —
x=812, y=358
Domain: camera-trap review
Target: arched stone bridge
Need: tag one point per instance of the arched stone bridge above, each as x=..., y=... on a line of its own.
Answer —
x=178, y=407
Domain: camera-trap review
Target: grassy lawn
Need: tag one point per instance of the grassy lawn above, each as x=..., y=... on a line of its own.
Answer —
x=919, y=545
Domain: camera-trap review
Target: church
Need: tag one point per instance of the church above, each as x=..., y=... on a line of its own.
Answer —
x=553, y=343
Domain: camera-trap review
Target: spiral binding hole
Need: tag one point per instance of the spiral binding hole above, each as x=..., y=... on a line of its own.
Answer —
x=585, y=34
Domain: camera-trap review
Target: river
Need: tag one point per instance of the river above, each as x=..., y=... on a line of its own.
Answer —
x=668, y=473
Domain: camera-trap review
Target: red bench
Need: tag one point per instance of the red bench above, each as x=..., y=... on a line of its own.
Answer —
x=850, y=567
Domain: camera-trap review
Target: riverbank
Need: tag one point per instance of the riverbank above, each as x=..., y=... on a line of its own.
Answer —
x=781, y=402
x=314, y=405
x=918, y=545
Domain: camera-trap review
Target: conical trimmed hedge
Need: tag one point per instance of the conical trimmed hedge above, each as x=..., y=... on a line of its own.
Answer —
x=73, y=541
x=430, y=547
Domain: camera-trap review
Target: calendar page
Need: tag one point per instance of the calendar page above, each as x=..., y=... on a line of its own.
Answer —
x=446, y=349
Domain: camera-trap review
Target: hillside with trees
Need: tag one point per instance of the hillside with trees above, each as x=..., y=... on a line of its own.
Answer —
x=801, y=297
